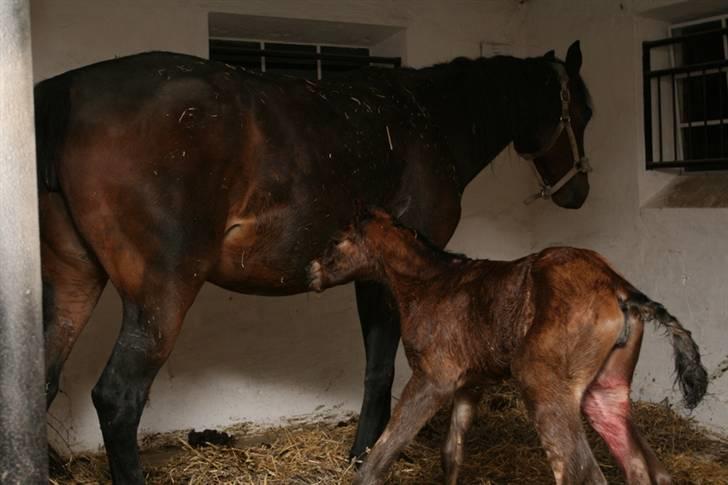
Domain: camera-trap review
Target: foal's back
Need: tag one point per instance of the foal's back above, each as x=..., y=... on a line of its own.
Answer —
x=478, y=312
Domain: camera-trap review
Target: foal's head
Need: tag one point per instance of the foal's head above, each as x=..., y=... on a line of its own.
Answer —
x=379, y=248
x=352, y=255
x=550, y=120
x=369, y=249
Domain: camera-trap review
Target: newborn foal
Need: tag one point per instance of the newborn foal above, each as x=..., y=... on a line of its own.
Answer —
x=561, y=322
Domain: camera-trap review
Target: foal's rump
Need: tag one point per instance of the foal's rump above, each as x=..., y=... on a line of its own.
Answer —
x=580, y=278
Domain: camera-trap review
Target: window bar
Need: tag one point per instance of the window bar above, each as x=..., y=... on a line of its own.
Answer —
x=705, y=114
x=659, y=117
x=723, y=151
x=686, y=111
x=318, y=63
x=721, y=114
x=675, y=132
x=647, y=97
x=262, y=57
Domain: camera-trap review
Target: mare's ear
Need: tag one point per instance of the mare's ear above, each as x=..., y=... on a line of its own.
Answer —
x=401, y=206
x=550, y=55
x=573, y=59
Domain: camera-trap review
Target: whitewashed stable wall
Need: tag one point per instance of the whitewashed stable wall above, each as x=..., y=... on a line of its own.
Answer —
x=243, y=358
x=676, y=255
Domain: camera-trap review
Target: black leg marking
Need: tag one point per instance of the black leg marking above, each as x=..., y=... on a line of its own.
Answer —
x=380, y=328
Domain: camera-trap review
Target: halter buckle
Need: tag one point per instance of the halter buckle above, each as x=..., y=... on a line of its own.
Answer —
x=582, y=165
x=565, y=93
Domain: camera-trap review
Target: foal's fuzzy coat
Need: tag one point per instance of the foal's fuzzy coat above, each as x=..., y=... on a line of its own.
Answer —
x=565, y=325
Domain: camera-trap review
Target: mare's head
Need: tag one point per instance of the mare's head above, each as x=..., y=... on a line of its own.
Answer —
x=552, y=112
x=354, y=253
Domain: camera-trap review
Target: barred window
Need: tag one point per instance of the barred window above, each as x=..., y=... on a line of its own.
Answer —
x=686, y=96
x=304, y=61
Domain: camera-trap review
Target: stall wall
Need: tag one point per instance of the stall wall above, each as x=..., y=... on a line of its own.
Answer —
x=675, y=255
x=263, y=360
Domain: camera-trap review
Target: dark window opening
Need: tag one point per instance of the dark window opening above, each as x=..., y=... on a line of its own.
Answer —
x=293, y=60
x=686, y=104
x=298, y=60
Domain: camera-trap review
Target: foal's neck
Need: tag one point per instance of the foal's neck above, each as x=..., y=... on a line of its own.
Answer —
x=472, y=102
x=406, y=260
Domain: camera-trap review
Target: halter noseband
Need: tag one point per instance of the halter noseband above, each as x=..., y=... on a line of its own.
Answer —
x=580, y=164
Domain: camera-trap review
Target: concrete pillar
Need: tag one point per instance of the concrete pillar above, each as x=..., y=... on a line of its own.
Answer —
x=23, y=450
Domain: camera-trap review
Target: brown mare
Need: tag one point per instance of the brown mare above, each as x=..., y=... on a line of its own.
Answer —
x=162, y=171
x=562, y=322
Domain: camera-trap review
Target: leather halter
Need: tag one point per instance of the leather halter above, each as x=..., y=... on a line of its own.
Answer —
x=580, y=164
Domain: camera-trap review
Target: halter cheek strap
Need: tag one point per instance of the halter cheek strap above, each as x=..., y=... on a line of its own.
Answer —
x=580, y=164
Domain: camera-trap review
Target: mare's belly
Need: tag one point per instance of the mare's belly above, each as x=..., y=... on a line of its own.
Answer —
x=270, y=255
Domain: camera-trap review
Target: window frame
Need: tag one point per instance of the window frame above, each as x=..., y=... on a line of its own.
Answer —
x=318, y=56
x=679, y=110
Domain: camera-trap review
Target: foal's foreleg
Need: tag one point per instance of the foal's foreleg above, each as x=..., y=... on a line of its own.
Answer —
x=463, y=412
x=148, y=333
x=380, y=329
x=418, y=403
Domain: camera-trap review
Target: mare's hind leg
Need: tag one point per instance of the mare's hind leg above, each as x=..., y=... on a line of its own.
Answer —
x=607, y=407
x=380, y=328
x=72, y=283
x=150, y=325
x=464, y=409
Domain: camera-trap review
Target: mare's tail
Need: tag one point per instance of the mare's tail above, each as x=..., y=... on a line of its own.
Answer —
x=691, y=375
x=52, y=106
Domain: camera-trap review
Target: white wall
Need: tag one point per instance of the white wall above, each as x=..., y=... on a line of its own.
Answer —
x=676, y=256
x=243, y=358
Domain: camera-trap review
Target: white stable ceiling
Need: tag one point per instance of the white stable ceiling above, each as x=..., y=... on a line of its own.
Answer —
x=679, y=10
x=298, y=30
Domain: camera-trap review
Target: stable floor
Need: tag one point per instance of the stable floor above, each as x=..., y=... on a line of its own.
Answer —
x=502, y=448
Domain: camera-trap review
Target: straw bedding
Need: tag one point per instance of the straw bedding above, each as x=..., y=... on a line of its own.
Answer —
x=501, y=448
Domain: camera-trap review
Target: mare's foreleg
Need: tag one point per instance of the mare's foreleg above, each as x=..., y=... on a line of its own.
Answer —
x=380, y=328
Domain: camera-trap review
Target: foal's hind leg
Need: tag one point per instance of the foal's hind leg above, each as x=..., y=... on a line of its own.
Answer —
x=150, y=325
x=463, y=412
x=553, y=404
x=72, y=283
x=607, y=407
x=380, y=328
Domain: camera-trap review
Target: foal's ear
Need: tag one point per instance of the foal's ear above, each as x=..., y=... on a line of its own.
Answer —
x=550, y=55
x=573, y=59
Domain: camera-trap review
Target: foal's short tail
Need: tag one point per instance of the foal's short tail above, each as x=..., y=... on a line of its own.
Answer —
x=691, y=375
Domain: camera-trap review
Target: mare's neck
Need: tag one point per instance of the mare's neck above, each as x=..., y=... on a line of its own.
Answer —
x=472, y=103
